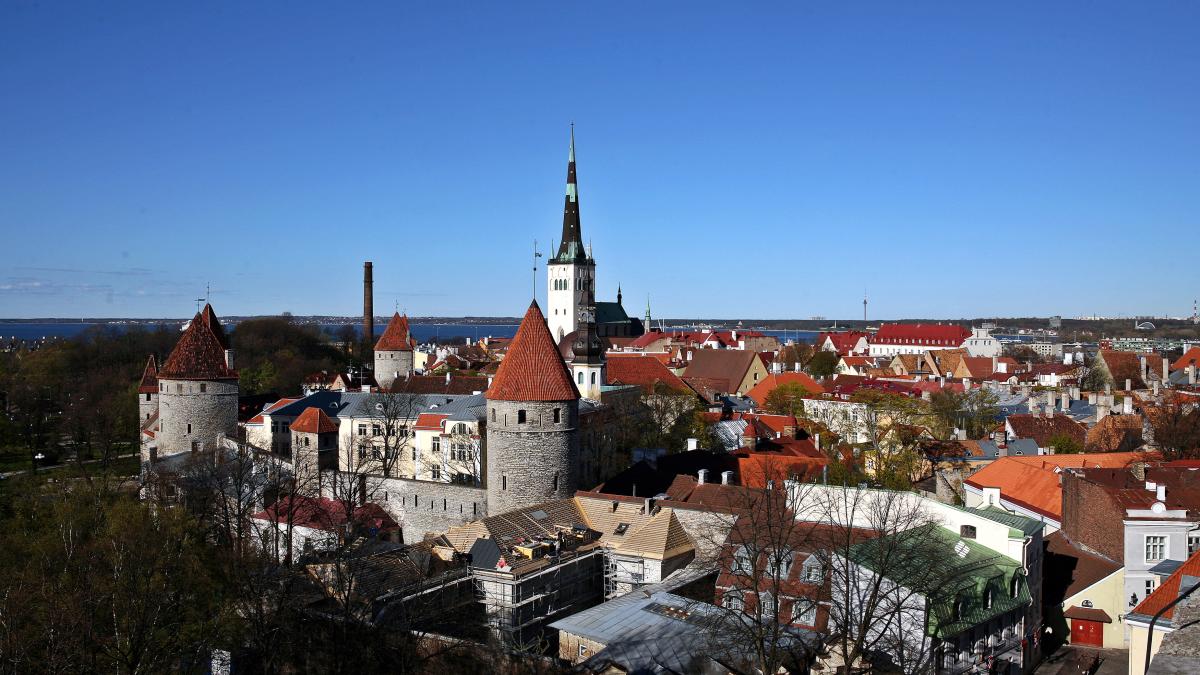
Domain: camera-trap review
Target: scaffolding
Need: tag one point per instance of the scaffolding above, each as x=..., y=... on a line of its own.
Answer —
x=621, y=577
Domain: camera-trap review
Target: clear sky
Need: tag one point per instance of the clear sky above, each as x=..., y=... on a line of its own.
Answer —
x=767, y=161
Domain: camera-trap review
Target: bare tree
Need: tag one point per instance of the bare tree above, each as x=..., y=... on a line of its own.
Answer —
x=392, y=415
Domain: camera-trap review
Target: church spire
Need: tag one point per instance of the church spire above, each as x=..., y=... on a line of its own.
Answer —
x=570, y=249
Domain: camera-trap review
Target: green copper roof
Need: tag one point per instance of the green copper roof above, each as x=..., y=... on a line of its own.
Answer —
x=1025, y=527
x=965, y=583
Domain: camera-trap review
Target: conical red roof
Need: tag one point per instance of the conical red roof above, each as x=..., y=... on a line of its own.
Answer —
x=210, y=320
x=314, y=421
x=149, y=383
x=199, y=355
x=532, y=369
x=396, y=337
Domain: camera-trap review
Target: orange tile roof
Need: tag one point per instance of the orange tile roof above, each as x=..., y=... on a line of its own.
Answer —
x=1190, y=358
x=532, y=370
x=396, y=338
x=760, y=391
x=314, y=421
x=258, y=419
x=1033, y=482
x=430, y=421
x=1168, y=590
x=149, y=383
x=210, y=319
x=199, y=354
x=643, y=370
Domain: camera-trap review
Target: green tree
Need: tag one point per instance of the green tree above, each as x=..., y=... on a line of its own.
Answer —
x=823, y=364
x=787, y=399
x=1065, y=444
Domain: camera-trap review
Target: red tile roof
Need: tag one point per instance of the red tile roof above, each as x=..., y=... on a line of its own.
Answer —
x=844, y=342
x=199, y=354
x=149, y=383
x=760, y=391
x=642, y=370
x=430, y=421
x=314, y=421
x=1190, y=358
x=1168, y=590
x=396, y=338
x=1033, y=482
x=258, y=419
x=936, y=335
x=532, y=370
x=325, y=514
x=210, y=319
x=1041, y=429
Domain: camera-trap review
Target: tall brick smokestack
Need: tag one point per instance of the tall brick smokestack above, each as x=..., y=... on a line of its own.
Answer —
x=368, y=304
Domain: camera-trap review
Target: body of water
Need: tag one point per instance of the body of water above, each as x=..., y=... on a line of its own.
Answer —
x=423, y=332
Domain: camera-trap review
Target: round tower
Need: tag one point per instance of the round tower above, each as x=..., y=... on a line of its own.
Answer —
x=197, y=390
x=394, y=352
x=148, y=392
x=532, y=422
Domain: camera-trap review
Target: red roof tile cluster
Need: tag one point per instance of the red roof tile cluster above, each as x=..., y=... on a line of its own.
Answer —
x=644, y=371
x=532, y=370
x=199, y=354
x=314, y=421
x=1190, y=358
x=1041, y=429
x=210, y=319
x=760, y=391
x=258, y=419
x=934, y=335
x=149, y=383
x=325, y=514
x=396, y=338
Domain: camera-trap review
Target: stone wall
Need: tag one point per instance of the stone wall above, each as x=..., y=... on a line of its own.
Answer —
x=147, y=406
x=210, y=407
x=424, y=506
x=1090, y=519
x=388, y=364
x=532, y=461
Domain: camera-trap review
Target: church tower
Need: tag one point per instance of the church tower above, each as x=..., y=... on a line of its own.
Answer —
x=572, y=271
x=532, y=422
x=587, y=356
x=394, y=353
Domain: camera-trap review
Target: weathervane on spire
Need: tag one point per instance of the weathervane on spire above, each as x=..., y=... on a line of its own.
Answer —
x=536, y=255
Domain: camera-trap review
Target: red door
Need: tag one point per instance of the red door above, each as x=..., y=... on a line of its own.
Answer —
x=1089, y=633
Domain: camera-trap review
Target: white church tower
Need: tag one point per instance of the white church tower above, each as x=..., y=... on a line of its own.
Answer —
x=572, y=272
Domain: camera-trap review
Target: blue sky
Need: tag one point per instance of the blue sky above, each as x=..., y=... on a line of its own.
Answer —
x=953, y=159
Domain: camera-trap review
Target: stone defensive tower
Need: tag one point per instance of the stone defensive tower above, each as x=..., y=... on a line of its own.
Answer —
x=148, y=392
x=394, y=352
x=314, y=442
x=532, y=422
x=197, y=390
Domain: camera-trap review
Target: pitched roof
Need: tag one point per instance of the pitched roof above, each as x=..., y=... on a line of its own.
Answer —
x=1115, y=432
x=1033, y=482
x=662, y=538
x=314, y=421
x=722, y=364
x=760, y=391
x=1168, y=590
x=396, y=338
x=843, y=341
x=1042, y=429
x=149, y=383
x=199, y=354
x=644, y=371
x=920, y=334
x=532, y=370
x=440, y=384
x=324, y=514
x=1190, y=358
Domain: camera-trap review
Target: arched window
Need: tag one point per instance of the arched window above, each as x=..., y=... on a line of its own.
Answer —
x=580, y=378
x=593, y=378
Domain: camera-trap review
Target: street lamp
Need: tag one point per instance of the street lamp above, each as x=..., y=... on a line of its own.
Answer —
x=37, y=458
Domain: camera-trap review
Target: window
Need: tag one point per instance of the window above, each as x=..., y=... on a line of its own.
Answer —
x=812, y=571
x=362, y=429
x=493, y=414
x=804, y=612
x=520, y=417
x=580, y=377
x=770, y=606
x=1156, y=547
x=967, y=531
x=593, y=378
x=733, y=600
x=1193, y=542
x=987, y=599
x=554, y=484
x=437, y=443
x=189, y=428
x=556, y=415
x=503, y=482
x=375, y=430
x=779, y=562
x=582, y=651
x=178, y=388
x=147, y=397
x=741, y=561
x=436, y=472
x=203, y=387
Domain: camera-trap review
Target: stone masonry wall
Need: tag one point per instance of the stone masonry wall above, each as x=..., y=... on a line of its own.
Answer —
x=388, y=364
x=533, y=462
x=210, y=413
x=425, y=506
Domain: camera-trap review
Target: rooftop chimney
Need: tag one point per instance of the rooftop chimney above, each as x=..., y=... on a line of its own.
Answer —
x=1160, y=493
x=368, y=304
x=726, y=478
x=1128, y=384
x=1191, y=371
x=229, y=359
x=1127, y=405
x=702, y=476
x=692, y=443
x=1166, y=369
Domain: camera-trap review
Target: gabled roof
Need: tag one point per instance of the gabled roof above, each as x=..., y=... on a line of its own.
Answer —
x=258, y=419
x=199, y=354
x=722, y=364
x=760, y=391
x=843, y=342
x=314, y=421
x=644, y=371
x=1033, y=482
x=396, y=338
x=532, y=370
x=662, y=538
x=1042, y=429
x=1190, y=358
x=149, y=383
x=935, y=335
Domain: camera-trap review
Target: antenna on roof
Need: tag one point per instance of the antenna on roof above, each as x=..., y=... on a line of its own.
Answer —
x=207, y=291
x=198, y=301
